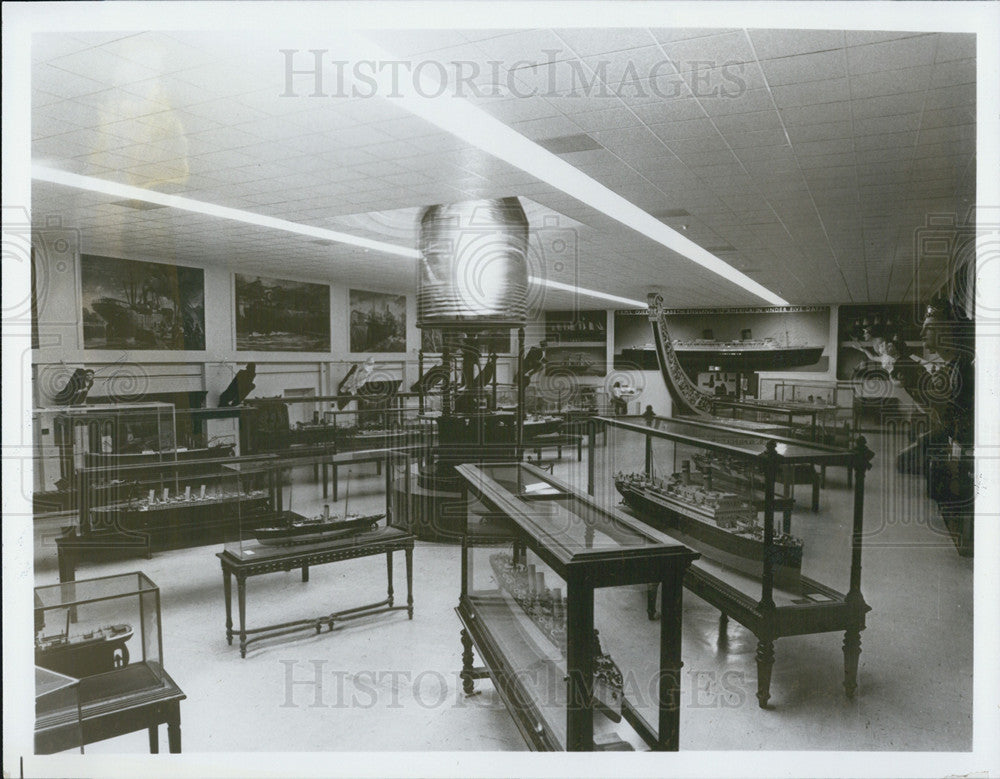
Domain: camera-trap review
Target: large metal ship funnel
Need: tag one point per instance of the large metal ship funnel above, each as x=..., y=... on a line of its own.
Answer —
x=474, y=269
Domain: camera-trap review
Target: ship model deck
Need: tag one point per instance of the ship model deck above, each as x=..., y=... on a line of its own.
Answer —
x=721, y=525
x=546, y=608
x=296, y=529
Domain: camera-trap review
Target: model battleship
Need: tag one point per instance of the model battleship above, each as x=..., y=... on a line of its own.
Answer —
x=296, y=529
x=721, y=525
x=84, y=654
x=546, y=608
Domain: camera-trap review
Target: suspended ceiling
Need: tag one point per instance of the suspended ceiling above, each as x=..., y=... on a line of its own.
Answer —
x=805, y=159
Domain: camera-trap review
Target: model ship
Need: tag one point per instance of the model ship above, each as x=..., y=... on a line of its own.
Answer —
x=84, y=654
x=721, y=525
x=759, y=354
x=163, y=500
x=546, y=608
x=296, y=529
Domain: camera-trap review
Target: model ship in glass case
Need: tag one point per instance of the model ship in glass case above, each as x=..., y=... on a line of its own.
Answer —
x=84, y=653
x=720, y=523
x=293, y=529
x=546, y=608
x=159, y=500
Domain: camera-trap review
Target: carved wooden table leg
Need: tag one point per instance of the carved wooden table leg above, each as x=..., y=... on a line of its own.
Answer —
x=468, y=685
x=852, y=654
x=765, y=662
x=409, y=581
x=241, y=590
x=388, y=568
x=227, y=588
x=154, y=739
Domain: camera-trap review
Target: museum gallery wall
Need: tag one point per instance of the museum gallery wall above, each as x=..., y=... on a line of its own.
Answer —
x=178, y=329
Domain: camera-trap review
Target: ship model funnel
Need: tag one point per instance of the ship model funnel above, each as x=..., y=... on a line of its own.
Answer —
x=473, y=269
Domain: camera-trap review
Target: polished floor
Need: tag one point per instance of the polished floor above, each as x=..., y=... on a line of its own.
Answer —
x=386, y=683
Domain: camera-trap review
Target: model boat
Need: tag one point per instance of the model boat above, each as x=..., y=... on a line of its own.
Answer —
x=546, y=608
x=165, y=501
x=84, y=654
x=719, y=524
x=297, y=529
x=756, y=354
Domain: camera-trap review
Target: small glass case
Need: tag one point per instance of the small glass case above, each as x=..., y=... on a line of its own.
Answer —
x=104, y=631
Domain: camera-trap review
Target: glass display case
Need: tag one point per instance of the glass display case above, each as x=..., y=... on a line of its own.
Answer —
x=56, y=693
x=104, y=631
x=68, y=438
x=175, y=504
x=545, y=571
x=282, y=509
x=713, y=488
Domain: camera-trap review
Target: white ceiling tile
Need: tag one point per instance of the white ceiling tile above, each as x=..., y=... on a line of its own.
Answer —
x=710, y=52
x=811, y=93
x=805, y=67
x=955, y=46
x=951, y=74
x=596, y=40
x=890, y=55
x=783, y=43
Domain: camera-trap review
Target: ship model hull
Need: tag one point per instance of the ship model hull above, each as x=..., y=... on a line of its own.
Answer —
x=299, y=530
x=741, y=552
x=746, y=359
x=88, y=654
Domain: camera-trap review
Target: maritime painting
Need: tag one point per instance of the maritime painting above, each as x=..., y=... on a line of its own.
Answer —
x=141, y=305
x=378, y=322
x=276, y=315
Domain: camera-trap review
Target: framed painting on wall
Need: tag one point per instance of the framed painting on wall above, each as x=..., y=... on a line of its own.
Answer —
x=378, y=322
x=276, y=315
x=129, y=304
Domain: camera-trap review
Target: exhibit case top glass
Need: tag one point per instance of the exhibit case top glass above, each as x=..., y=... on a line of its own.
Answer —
x=571, y=526
x=737, y=441
x=104, y=631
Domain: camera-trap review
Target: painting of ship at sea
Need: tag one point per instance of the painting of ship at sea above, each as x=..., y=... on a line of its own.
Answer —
x=686, y=471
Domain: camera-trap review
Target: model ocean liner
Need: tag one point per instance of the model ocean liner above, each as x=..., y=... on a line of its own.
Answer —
x=164, y=500
x=546, y=608
x=721, y=525
x=295, y=529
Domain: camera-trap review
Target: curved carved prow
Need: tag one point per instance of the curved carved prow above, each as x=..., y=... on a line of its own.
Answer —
x=687, y=398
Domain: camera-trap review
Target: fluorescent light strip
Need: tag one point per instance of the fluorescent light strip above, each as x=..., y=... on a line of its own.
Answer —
x=473, y=125
x=128, y=192
x=558, y=285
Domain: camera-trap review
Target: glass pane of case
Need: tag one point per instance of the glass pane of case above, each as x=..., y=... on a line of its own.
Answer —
x=104, y=631
x=522, y=603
